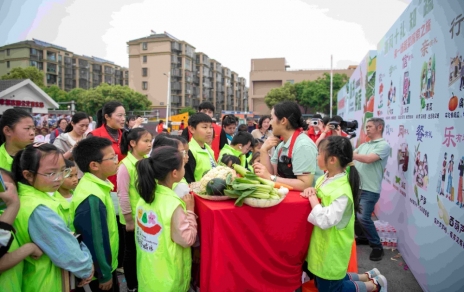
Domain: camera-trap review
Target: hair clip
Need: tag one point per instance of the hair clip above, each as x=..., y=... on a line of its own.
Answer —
x=36, y=145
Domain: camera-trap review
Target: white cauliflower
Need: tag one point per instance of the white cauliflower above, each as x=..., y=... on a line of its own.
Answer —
x=217, y=172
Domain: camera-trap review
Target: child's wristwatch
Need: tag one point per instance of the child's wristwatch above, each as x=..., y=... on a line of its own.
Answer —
x=274, y=178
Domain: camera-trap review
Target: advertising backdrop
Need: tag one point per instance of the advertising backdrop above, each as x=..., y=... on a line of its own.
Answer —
x=356, y=98
x=419, y=92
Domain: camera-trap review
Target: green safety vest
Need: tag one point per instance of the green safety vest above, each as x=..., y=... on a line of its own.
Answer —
x=203, y=163
x=92, y=185
x=5, y=159
x=250, y=167
x=229, y=150
x=162, y=265
x=134, y=196
x=64, y=208
x=330, y=249
x=39, y=274
x=10, y=280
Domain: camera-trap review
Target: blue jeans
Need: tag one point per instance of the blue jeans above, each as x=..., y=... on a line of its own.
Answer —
x=364, y=219
x=350, y=283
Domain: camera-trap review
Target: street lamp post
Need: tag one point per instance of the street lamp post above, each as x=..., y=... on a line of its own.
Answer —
x=168, y=107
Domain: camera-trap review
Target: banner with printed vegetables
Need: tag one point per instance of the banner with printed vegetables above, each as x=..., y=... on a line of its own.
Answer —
x=420, y=94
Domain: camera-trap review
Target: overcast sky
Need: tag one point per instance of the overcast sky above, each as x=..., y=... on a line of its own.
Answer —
x=233, y=32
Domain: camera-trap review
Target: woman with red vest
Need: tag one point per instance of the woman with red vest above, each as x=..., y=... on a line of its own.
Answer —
x=111, y=120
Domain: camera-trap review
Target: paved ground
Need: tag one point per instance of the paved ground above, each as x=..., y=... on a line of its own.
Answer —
x=399, y=280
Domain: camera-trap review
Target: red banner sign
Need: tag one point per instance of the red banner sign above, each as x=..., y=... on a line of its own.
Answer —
x=21, y=103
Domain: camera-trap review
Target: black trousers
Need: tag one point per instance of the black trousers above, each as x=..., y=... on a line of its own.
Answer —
x=130, y=260
x=121, y=231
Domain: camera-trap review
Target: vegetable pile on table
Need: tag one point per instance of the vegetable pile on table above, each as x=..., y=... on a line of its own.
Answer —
x=215, y=180
x=222, y=181
x=252, y=186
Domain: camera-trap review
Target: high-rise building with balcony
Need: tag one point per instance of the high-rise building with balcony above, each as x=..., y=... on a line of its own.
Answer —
x=194, y=77
x=60, y=66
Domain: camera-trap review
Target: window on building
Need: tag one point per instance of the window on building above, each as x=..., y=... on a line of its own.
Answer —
x=126, y=82
x=144, y=85
x=144, y=46
x=7, y=52
x=144, y=59
x=291, y=81
x=8, y=64
x=145, y=72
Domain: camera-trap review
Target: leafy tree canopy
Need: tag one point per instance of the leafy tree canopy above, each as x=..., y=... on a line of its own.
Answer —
x=189, y=110
x=32, y=73
x=276, y=95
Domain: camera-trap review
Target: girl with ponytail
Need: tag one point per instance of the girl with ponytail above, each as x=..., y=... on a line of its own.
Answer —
x=165, y=226
x=136, y=144
x=17, y=130
x=334, y=201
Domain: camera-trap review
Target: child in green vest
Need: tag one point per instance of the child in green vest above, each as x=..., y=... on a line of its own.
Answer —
x=17, y=130
x=334, y=201
x=92, y=209
x=11, y=254
x=241, y=144
x=65, y=192
x=182, y=188
x=136, y=144
x=201, y=156
x=166, y=225
x=39, y=170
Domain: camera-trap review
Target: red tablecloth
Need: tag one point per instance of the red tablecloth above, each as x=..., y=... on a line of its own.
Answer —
x=253, y=249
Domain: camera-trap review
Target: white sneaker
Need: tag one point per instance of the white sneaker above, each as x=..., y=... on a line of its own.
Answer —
x=372, y=273
x=382, y=282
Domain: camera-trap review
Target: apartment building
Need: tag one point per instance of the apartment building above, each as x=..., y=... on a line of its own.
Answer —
x=270, y=73
x=60, y=66
x=160, y=63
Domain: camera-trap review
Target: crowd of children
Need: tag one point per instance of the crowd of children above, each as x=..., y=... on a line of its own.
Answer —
x=89, y=204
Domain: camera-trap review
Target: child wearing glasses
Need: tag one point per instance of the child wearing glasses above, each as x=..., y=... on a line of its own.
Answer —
x=39, y=170
x=92, y=209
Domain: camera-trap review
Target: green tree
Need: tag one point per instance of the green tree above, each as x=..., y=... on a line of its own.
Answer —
x=189, y=110
x=93, y=99
x=32, y=73
x=315, y=95
x=77, y=94
x=276, y=95
x=57, y=95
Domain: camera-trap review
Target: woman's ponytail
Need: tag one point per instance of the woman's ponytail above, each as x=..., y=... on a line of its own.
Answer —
x=69, y=128
x=124, y=146
x=99, y=118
